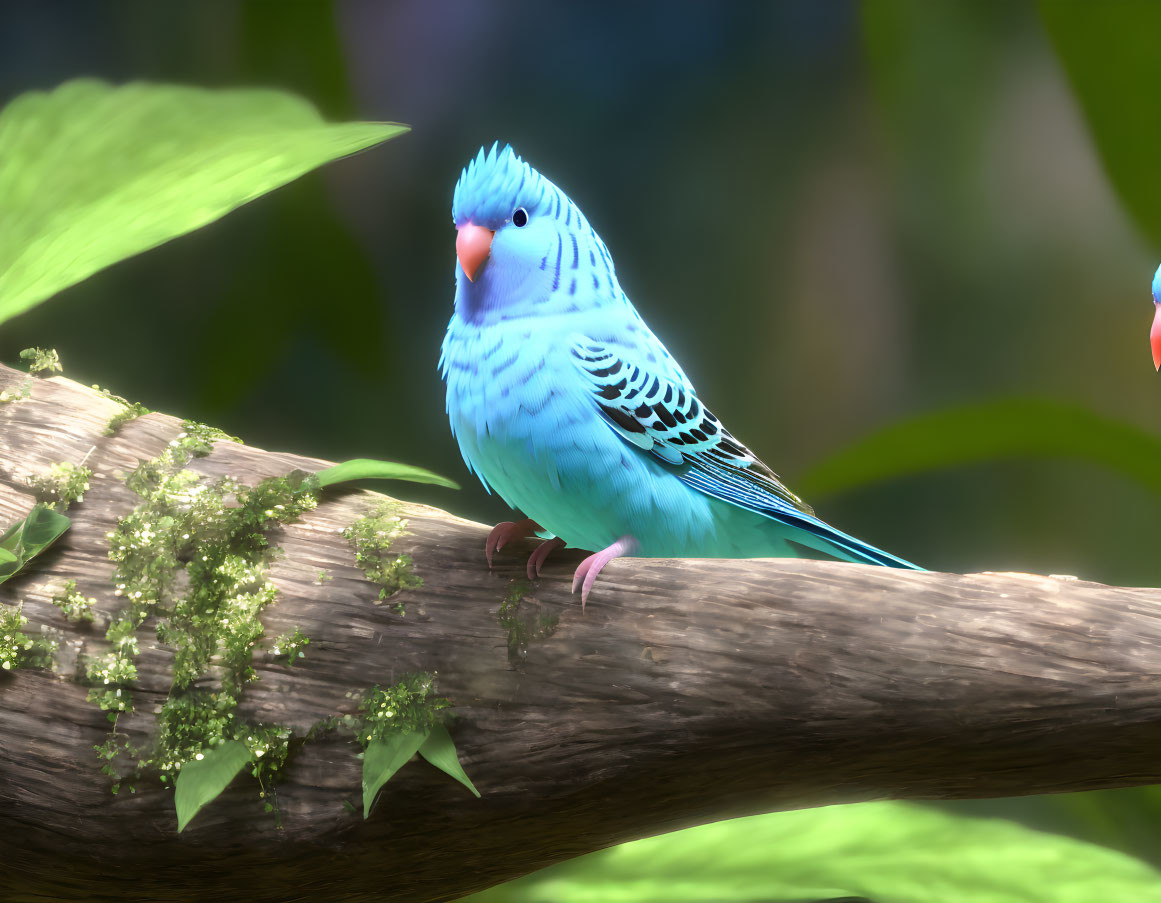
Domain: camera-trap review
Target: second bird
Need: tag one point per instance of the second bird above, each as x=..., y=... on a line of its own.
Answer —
x=565, y=403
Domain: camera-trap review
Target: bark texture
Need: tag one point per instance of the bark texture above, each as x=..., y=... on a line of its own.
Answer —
x=688, y=691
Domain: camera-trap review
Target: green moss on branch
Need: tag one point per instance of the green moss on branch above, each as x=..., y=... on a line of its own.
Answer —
x=61, y=485
x=216, y=532
x=371, y=537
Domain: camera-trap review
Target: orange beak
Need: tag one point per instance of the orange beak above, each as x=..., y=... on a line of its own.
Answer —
x=1155, y=338
x=473, y=245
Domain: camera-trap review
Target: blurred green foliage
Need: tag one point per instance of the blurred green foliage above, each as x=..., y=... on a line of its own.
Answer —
x=92, y=174
x=886, y=852
x=987, y=431
x=1109, y=52
x=938, y=134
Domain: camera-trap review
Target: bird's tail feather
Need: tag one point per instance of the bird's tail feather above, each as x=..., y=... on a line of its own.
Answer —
x=841, y=545
x=730, y=487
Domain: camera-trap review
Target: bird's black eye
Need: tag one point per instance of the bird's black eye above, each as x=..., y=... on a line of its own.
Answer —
x=520, y=218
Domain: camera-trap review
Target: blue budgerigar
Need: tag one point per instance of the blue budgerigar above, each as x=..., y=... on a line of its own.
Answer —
x=566, y=404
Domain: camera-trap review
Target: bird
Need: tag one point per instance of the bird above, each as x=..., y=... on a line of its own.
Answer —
x=1155, y=331
x=565, y=403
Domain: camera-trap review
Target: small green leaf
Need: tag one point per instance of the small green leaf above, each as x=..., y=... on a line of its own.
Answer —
x=26, y=539
x=367, y=469
x=201, y=781
x=888, y=852
x=990, y=430
x=440, y=751
x=91, y=173
x=385, y=757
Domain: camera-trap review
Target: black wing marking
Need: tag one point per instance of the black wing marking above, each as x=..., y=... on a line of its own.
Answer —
x=662, y=414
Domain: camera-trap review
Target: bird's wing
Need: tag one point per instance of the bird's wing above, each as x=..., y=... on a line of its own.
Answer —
x=655, y=408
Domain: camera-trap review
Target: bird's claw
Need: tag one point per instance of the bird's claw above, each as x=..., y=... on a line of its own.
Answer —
x=507, y=531
x=588, y=570
x=536, y=559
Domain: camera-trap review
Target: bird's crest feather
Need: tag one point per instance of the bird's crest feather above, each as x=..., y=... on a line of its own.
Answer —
x=494, y=184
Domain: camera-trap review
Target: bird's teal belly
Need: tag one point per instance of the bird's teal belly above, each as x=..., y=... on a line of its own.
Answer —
x=589, y=487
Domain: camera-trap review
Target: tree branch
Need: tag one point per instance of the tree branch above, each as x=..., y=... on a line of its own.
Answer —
x=688, y=691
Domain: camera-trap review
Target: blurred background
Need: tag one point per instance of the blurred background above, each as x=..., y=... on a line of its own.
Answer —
x=837, y=215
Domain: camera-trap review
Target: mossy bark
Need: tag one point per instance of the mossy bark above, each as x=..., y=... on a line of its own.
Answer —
x=687, y=691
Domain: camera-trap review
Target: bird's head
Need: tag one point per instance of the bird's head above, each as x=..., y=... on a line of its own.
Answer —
x=1155, y=332
x=520, y=242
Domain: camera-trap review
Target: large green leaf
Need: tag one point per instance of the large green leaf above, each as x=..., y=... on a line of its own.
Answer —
x=440, y=751
x=887, y=852
x=91, y=174
x=383, y=758
x=368, y=469
x=202, y=780
x=1109, y=52
x=26, y=539
x=1004, y=428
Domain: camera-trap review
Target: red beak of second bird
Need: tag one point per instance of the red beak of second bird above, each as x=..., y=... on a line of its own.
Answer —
x=474, y=244
x=1155, y=338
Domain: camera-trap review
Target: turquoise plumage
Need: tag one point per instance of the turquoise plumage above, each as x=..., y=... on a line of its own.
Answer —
x=566, y=404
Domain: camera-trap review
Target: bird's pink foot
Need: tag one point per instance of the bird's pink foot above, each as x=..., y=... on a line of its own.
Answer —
x=587, y=570
x=536, y=559
x=506, y=532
